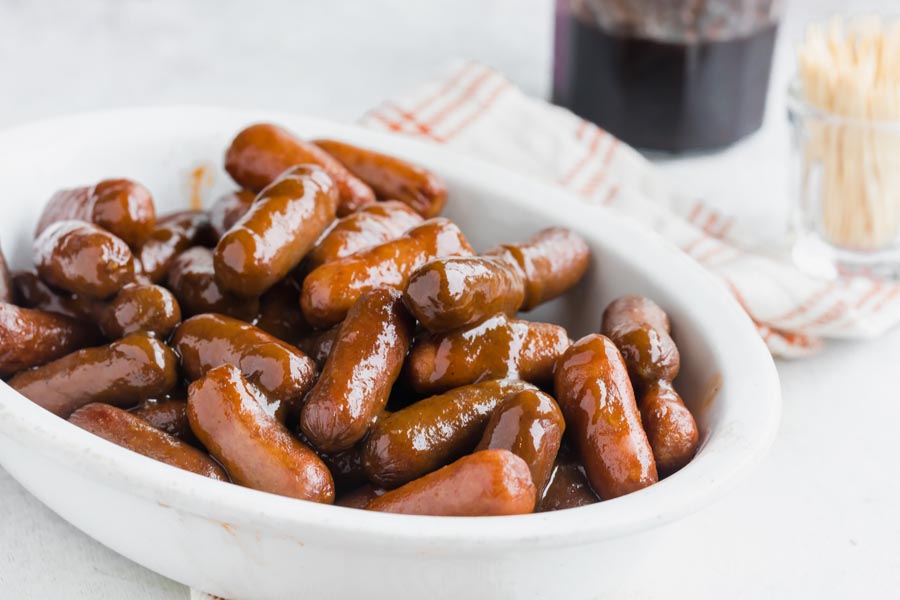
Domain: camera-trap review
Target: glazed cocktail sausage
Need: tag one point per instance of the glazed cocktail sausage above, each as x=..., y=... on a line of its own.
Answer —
x=139, y=307
x=258, y=452
x=462, y=291
x=317, y=344
x=390, y=177
x=83, y=259
x=280, y=313
x=487, y=483
x=640, y=328
x=553, y=260
x=281, y=226
x=120, y=206
x=330, y=291
x=192, y=279
x=596, y=397
x=671, y=429
x=30, y=338
x=169, y=416
x=568, y=487
x=531, y=426
x=262, y=152
x=432, y=432
x=123, y=373
x=497, y=348
x=357, y=378
x=282, y=372
x=228, y=210
x=173, y=234
x=456, y=292
x=126, y=430
x=369, y=226
x=31, y=292
x=346, y=466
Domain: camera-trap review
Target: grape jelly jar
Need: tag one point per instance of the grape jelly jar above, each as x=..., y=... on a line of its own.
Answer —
x=673, y=76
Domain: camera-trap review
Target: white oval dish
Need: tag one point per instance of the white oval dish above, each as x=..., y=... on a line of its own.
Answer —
x=244, y=544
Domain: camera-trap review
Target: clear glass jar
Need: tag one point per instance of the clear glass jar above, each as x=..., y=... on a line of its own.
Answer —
x=846, y=180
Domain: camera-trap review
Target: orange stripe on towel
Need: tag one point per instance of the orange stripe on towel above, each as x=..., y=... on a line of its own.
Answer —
x=591, y=151
x=767, y=331
x=695, y=211
x=444, y=88
x=603, y=170
x=813, y=300
x=482, y=109
x=895, y=291
x=466, y=95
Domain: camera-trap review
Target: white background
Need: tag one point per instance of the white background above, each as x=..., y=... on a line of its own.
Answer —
x=818, y=519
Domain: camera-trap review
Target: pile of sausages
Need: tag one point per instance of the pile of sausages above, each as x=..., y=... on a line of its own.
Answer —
x=320, y=333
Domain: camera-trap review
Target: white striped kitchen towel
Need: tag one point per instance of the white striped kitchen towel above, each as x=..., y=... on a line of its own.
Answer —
x=478, y=112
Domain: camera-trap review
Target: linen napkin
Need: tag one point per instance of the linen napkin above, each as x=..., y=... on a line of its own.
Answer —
x=477, y=111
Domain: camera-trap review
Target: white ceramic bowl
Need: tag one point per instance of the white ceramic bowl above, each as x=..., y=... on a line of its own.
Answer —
x=244, y=544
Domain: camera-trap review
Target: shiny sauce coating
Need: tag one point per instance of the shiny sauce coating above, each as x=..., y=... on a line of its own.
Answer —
x=169, y=416
x=461, y=291
x=282, y=372
x=282, y=225
x=120, y=206
x=497, y=348
x=82, y=258
x=486, y=483
x=432, y=432
x=192, y=279
x=640, y=329
x=30, y=338
x=391, y=178
x=139, y=307
x=596, y=397
x=369, y=226
x=257, y=451
x=330, y=290
x=552, y=261
x=262, y=152
x=568, y=486
x=280, y=313
x=122, y=374
x=360, y=372
x=173, y=234
x=129, y=431
x=531, y=426
x=671, y=429
x=228, y=210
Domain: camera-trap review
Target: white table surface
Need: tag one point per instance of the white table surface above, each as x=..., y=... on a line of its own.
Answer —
x=820, y=517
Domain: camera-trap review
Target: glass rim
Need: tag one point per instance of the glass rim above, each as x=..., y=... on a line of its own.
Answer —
x=798, y=105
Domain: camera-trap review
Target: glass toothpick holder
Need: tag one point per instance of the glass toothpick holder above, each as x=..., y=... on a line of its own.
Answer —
x=846, y=179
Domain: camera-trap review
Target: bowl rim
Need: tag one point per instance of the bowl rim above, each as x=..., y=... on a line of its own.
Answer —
x=754, y=405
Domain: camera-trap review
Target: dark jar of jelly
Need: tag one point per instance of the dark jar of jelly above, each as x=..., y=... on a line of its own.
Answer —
x=669, y=75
